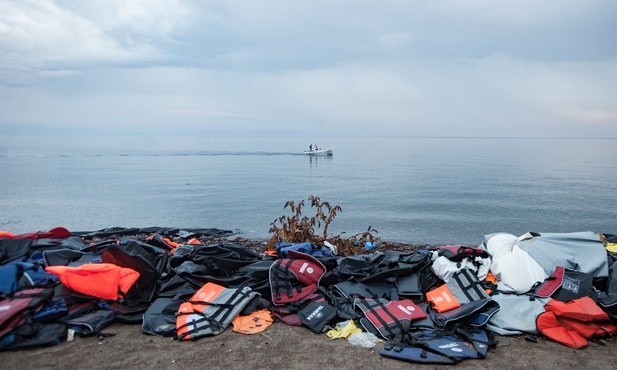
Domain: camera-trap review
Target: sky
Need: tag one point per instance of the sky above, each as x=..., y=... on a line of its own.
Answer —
x=477, y=68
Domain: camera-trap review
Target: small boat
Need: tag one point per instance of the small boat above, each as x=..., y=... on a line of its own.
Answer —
x=319, y=152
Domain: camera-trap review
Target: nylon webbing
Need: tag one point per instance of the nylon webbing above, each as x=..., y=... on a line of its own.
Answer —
x=282, y=272
x=471, y=284
x=395, y=322
x=227, y=305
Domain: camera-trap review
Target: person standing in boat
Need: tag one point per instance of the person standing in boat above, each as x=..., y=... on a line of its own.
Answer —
x=311, y=148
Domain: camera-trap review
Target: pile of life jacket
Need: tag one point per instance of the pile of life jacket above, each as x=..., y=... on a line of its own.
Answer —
x=437, y=305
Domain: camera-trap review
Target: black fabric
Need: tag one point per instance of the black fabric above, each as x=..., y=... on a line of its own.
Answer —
x=316, y=315
x=92, y=323
x=128, y=314
x=130, y=254
x=12, y=249
x=68, y=257
x=457, y=253
x=575, y=284
x=429, y=280
x=187, y=233
x=611, y=238
x=408, y=353
x=21, y=306
x=394, y=329
x=281, y=278
x=426, y=323
x=379, y=266
x=256, y=276
x=176, y=285
x=352, y=290
x=106, y=233
x=34, y=334
x=477, y=312
x=438, y=346
x=344, y=305
x=466, y=287
x=160, y=317
x=608, y=298
x=410, y=286
x=214, y=323
x=76, y=310
x=61, y=292
x=202, y=263
x=157, y=241
x=46, y=244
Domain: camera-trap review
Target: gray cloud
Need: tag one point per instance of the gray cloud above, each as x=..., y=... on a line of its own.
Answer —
x=422, y=68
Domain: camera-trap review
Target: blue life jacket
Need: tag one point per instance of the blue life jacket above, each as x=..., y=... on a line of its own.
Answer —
x=311, y=249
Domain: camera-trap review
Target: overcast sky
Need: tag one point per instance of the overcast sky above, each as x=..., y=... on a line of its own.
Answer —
x=320, y=68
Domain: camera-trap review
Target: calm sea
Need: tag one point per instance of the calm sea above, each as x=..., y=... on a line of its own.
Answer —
x=419, y=190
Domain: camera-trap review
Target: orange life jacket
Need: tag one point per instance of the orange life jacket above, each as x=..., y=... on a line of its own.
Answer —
x=254, y=323
x=210, y=310
x=442, y=299
x=101, y=280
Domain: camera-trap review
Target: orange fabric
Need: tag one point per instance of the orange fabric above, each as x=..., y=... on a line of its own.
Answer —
x=270, y=253
x=491, y=278
x=101, y=280
x=442, y=299
x=6, y=234
x=584, y=309
x=572, y=323
x=550, y=327
x=171, y=243
x=589, y=329
x=193, y=241
x=205, y=294
x=254, y=323
x=55, y=233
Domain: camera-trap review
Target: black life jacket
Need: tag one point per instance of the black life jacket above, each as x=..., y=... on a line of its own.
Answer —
x=91, y=323
x=316, y=315
x=130, y=254
x=13, y=249
x=200, y=264
x=160, y=317
x=379, y=266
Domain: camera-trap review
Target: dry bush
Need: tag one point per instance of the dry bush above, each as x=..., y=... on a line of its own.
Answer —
x=297, y=228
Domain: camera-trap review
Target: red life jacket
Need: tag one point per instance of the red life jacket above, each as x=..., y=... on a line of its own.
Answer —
x=295, y=278
x=55, y=233
x=14, y=310
x=572, y=323
x=583, y=309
